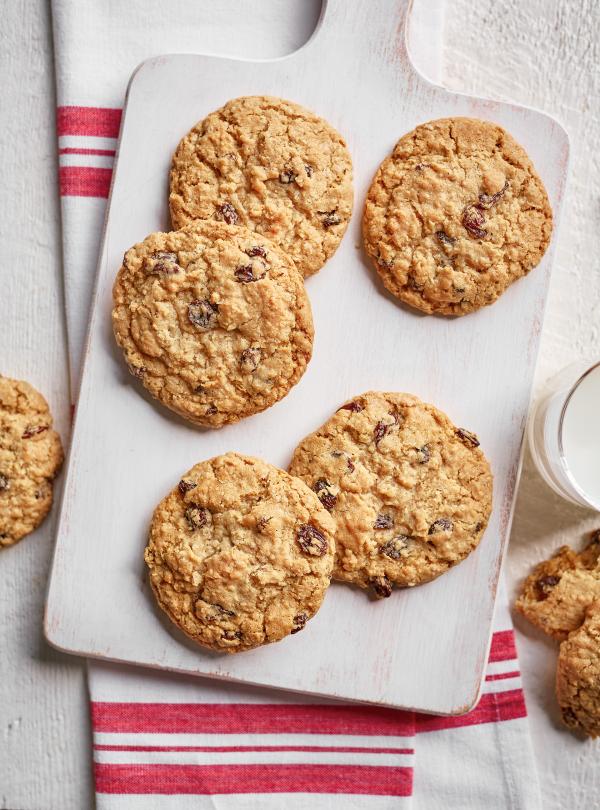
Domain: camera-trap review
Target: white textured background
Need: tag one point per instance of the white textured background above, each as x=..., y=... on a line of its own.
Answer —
x=544, y=53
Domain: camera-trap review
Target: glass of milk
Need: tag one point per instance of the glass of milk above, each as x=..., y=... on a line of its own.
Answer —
x=564, y=434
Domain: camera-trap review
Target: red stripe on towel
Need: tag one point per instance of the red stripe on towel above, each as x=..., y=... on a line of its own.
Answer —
x=101, y=122
x=492, y=708
x=249, y=718
x=227, y=779
x=503, y=646
x=84, y=181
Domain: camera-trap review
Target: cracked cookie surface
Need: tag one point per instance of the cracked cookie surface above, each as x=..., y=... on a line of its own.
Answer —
x=214, y=320
x=557, y=593
x=455, y=215
x=272, y=166
x=411, y=494
x=30, y=457
x=578, y=675
x=240, y=553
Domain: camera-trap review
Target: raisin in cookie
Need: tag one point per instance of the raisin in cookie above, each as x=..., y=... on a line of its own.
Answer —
x=555, y=596
x=410, y=493
x=578, y=675
x=272, y=166
x=240, y=553
x=214, y=320
x=30, y=457
x=455, y=215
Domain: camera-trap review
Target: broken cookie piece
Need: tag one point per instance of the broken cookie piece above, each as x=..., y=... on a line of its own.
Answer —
x=558, y=592
x=578, y=675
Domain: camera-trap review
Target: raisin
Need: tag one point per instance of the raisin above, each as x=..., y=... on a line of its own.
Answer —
x=202, y=314
x=473, y=219
x=383, y=521
x=321, y=483
x=299, y=621
x=163, y=262
x=33, y=430
x=137, y=371
x=394, y=547
x=339, y=454
x=245, y=274
x=380, y=431
x=196, y=516
x=211, y=410
x=231, y=635
x=382, y=428
x=228, y=213
x=478, y=527
x=323, y=489
x=262, y=522
x=311, y=540
x=382, y=587
x=250, y=358
x=200, y=389
x=544, y=585
x=328, y=500
x=387, y=264
x=223, y=611
x=308, y=169
x=185, y=486
x=4, y=483
x=443, y=237
x=595, y=536
x=353, y=407
x=329, y=218
x=424, y=454
x=413, y=284
x=257, y=250
x=420, y=166
x=164, y=256
x=488, y=200
x=287, y=177
x=468, y=438
x=441, y=525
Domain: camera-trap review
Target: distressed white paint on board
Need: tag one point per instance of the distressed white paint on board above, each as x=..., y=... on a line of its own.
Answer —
x=479, y=369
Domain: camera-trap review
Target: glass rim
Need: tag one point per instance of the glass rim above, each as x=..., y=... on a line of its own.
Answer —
x=563, y=460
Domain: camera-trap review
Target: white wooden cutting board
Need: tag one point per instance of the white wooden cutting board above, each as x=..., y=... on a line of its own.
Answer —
x=424, y=648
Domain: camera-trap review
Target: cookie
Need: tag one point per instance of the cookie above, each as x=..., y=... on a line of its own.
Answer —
x=272, y=166
x=411, y=494
x=455, y=215
x=578, y=675
x=30, y=457
x=240, y=553
x=555, y=596
x=214, y=320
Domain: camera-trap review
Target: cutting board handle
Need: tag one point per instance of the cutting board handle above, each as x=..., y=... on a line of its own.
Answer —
x=382, y=23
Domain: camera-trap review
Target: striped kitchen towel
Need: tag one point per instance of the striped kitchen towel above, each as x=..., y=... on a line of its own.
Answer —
x=247, y=744
x=188, y=742
x=226, y=746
